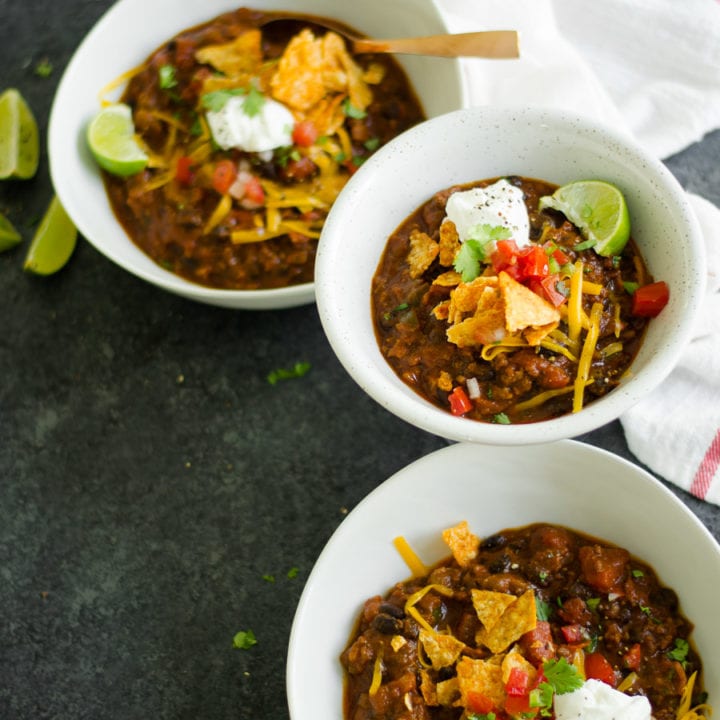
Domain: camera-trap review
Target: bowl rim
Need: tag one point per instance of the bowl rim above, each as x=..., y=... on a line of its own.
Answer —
x=57, y=147
x=392, y=394
x=377, y=521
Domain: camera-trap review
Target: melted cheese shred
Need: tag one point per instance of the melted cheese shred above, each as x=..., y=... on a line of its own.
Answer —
x=574, y=304
x=377, y=674
x=586, y=356
x=417, y=596
x=414, y=563
x=684, y=711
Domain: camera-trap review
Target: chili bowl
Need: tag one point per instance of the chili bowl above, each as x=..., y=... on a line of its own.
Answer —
x=474, y=144
x=134, y=29
x=567, y=483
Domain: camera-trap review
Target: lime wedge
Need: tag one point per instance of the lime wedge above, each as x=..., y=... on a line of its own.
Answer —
x=9, y=236
x=53, y=242
x=597, y=209
x=19, y=140
x=111, y=137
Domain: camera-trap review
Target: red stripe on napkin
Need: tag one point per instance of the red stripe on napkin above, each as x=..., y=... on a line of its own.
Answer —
x=707, y=469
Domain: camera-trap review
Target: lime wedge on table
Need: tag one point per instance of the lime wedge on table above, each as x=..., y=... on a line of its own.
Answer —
x=111, y=137
x=597, y=209
x=9, y=236
x=19, y=141
x=53, y=242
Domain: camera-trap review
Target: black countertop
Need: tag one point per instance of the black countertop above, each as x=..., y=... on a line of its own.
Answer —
x=151, y=479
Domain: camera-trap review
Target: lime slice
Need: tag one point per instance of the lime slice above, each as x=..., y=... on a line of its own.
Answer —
x=53, y=242
x=9, y=236
x=597, y=209
x=111, y=137
x=19, y=140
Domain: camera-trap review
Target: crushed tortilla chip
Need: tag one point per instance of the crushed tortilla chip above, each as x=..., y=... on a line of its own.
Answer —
x=311, y=68
x=469, y=298
x=451, y=278
x=462, y=543
x=442, y=310
x=448, y=692
x=449, y=242
x=397, y=642
x=240, y=56
x=442, y=650
x=517, y=619
x=480, y=676
x=423, y=250
x=445, y=381
x=490, y=605
x=524, y=308
x=515, y=659
x=428, y=689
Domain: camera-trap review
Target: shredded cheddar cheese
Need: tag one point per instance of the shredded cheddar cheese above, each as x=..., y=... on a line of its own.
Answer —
x=583, y=370
x=574, y=305
x=414, y=563
x=377, y=674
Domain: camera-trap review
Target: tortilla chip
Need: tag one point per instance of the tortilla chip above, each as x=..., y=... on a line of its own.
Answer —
x=441, y=310
x=534, y=336
x=490, y=605
x=312, y=68
x=515, y=659
x=523, y=307
x=397, y=642
x=451, y=278
x=449, y=242
x=471, y=298
x=442, y=650
x=462, y=543
x=485, y=328
x=428, y=689
x=448, y=692
x=445, y=381
x=240, y=56
x=423, y=250
x=480, y=676
x=517, y=619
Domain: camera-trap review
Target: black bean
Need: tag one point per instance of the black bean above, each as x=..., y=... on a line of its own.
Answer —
x=386, y=624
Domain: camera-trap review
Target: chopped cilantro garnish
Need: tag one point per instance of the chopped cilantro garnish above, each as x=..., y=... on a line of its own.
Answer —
x=474, y=250
x=638, y=573
x=562, y=676
x=340, y=157
x=254, y=101
x=372, y=144
x=351, y=111
x=244, y=640
x=481, y=716
x=298, y=370
x=646, y=610
x=216, y=100
x=44, y=68
x=501, y=419
x=680, y=651
x=592, y=603
x=630, y=287
x=293, y=572
x=166, y=77
x=542, y=609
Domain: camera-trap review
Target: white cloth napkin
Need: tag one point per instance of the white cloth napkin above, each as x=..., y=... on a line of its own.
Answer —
x=652, y=69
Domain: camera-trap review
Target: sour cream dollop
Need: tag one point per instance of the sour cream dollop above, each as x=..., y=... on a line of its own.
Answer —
x=498, y=204
x=596, y=700
x=233, y=127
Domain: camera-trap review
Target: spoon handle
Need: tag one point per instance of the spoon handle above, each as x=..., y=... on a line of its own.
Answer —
x=488, y=44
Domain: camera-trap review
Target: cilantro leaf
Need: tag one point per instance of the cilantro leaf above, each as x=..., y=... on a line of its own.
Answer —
x=562, y=676
x=680, y=651
x=244, y=639
x=487, y=233
x=351, y=111
x=253, y=102
x=467, y=261
x=297, y=370
x=502, y=419
x=542, y=609
x=217, y=99
x=166, y=75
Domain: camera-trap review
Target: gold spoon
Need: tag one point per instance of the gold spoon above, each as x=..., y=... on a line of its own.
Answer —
x=496, y=44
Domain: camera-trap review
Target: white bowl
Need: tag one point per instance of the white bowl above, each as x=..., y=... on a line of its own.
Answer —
x=477, y=143
x=126, y=35
x=493, y=488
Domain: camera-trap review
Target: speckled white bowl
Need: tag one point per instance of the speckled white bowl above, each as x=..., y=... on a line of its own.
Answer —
x=477, y=143
x=127, y=34
x=568, y=483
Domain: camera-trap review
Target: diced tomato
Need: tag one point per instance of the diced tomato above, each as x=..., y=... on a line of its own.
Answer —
x=547, y=288
x=305, y=133
x=505, y=255
x=518, y=682
x=632, y=657
x=560, y=257
x=519, y=705
x=573, y=633
x=254, y=190
x=479, y=703
x=649, y=300
x=460, y=403
x=224, y=175
x=533, y=262
x=183, y=170
x=598, y=668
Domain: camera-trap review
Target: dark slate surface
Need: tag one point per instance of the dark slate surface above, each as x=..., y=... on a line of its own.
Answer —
x=151, y=477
